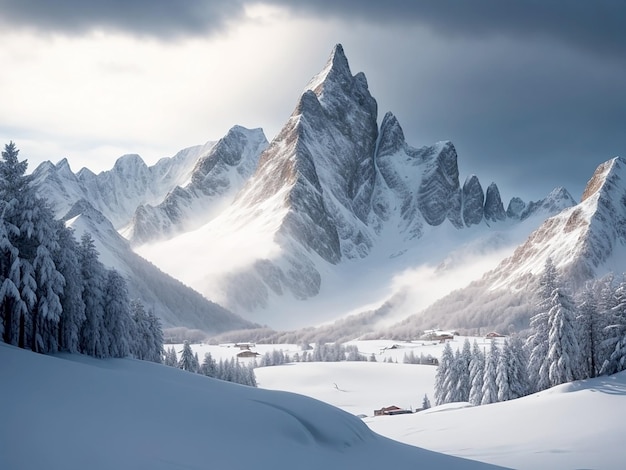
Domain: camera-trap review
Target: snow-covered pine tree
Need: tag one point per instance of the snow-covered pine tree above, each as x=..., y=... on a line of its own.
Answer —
x=117, y=316
x=615, y=332
x=11, y=304
x=209, y=366
x=588, y=330
x=606, y=303
x=155, y=349
x=147, y=342
x=171, y=358
x=517, y=368
x=441, y=376
x=452, y=380
x=17, y=293
x=563, y=351
x=477, y=371
x=353, y=354
x=502, y=373
x=50, y=282
x=72, y=303
x=537, y=342
x=93, y=337
x=490, y=388
x=187, y=359
x=425, y=402
x=464, y=384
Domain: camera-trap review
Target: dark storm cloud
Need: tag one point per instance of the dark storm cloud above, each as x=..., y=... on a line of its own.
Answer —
x=156, y=18
x=594, y=25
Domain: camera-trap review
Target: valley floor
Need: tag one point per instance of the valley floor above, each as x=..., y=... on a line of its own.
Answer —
x=578, y=425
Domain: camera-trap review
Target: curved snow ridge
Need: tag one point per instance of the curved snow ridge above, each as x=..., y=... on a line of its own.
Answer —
x=318, y=428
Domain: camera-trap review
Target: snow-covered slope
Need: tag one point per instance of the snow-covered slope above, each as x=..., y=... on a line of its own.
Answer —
x=585, y=241
x=174, y=303
x=572, y=426
x=71, y=412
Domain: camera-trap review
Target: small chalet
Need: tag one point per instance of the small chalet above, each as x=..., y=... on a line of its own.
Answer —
x=494, y=334
x=391, y=410
x=248, y=353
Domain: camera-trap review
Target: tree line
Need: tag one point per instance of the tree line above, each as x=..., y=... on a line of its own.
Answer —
x=229, y=370
x=55, y=294
x=572, y=337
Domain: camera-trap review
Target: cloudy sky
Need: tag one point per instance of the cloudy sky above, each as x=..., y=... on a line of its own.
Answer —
x=532, y=93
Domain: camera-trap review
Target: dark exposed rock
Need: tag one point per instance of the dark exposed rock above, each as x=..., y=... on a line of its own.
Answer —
x=494, y=209
x=473, y=200
x=439, y=191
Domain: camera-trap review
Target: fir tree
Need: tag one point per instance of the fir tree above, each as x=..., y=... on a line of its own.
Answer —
x=502, y=373
x=187, y=360
x=93, y=338
x=18, y=248
x=490, y=387
x=537, y=343
x=117, y=319
x=589, y=332
x=441, y=377
x=464, y=384
x=425, y=402
x=72, y=303
x=477, y=371
x=171, y=358
x=563, y=352
x=517, y=368
x=209, y=366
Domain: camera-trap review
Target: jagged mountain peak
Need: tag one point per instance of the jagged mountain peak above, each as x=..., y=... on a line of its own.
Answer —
x=601, y=176
x=494, y=208
x=129, y=162
x=337, y=69
x=84, y=208
x=391, y=139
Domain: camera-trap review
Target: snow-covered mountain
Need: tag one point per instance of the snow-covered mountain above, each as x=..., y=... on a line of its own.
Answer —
x=214, y=181
x=333, y=200
x=336, y=215
x=176, y=304
x=585, y=241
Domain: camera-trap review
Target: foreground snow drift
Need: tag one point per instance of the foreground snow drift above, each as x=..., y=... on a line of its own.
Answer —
x=576, y=425
x=74, y=412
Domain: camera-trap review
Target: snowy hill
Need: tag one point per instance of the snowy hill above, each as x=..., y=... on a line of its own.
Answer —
x=574, y=425
x=80, y=412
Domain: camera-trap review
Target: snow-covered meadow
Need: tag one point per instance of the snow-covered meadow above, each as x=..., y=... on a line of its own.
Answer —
x=576, y=425
x=79, y=412
x=73, y=412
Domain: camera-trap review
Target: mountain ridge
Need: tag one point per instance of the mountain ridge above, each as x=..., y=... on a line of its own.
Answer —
x=327, y=217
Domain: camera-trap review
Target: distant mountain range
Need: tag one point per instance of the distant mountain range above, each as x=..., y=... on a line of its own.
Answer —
x=333, y=217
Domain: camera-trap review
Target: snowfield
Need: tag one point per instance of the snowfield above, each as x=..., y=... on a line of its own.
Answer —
x=79, y=412
x=71, y=412
x=571, y=426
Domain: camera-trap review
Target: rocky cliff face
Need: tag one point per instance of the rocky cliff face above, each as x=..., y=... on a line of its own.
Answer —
x=474, y=201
